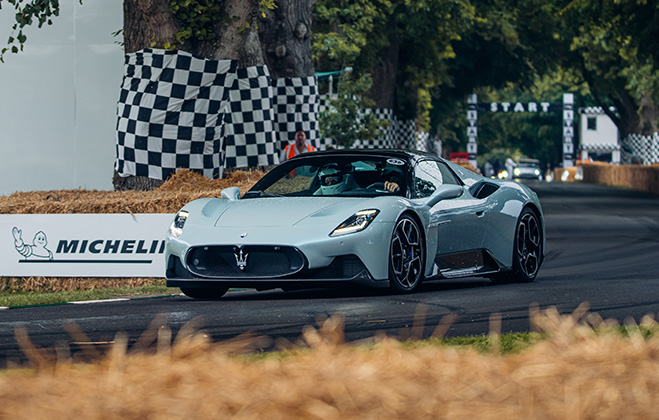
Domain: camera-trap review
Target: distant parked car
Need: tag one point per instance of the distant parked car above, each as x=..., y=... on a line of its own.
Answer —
x=527, y=169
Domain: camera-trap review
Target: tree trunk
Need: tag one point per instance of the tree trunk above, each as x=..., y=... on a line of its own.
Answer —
x=285, y=36
x=237, y=33
x=384, y=78
x=649, y=116
x=149, y=22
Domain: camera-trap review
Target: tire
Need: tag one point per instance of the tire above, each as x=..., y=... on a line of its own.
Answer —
x=406, y=256
x=207, y=293
x=527, y=250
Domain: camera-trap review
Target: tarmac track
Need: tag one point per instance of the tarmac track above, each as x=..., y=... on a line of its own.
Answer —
x=602, y=248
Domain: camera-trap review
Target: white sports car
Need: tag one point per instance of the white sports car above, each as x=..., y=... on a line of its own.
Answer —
x=381, y=217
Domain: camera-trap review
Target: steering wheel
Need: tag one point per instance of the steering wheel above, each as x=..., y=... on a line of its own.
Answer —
x=376, y=186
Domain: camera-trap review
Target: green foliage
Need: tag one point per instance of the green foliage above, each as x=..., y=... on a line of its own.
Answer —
x=21, y=298
x=345, y=120
x=28, y=13
x=197, y=20
x=343, y=28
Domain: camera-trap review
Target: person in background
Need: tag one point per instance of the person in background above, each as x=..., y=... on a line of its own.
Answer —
x=299, y=146
x=510, y=167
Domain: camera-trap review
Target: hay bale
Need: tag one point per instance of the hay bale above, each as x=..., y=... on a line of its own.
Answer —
x=181, y=188
x=637, y=177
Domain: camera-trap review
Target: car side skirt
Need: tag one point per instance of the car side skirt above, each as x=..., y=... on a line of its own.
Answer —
x=472, y=263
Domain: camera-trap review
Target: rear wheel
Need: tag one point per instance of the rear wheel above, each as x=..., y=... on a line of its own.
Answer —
x=527, y=250
x=209, y=293
x=406, y=256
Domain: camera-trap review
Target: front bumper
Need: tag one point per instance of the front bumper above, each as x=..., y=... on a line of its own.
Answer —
x=343, y=269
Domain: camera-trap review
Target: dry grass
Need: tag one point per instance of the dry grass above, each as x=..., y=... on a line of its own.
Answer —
x=68, y=284
x=575, y=374
x=181, y=188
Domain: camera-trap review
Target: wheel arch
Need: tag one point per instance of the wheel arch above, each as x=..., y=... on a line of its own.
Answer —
x=415, y=216
x=538, y=213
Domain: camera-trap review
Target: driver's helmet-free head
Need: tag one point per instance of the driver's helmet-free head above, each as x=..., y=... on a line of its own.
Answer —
x=333, y=180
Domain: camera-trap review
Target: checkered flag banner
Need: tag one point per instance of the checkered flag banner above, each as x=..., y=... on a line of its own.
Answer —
x=644, y=147
x=399, y=134
x=296, y=105
x=250, y=133
x=171, y=113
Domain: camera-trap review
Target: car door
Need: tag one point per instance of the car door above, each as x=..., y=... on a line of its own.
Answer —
x=458, y=226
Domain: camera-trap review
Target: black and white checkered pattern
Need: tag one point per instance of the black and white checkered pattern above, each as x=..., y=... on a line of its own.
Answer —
x=388, y=139
x=250, y=133
x=296, y=105
x=404, y=133
x=599, y=147
x=179, y=111
x=645, y=147
x=399, y=134
x=170, y=113
x=427, y=143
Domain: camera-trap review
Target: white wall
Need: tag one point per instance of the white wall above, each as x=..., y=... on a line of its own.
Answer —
x=606, y=132
x=58, y=100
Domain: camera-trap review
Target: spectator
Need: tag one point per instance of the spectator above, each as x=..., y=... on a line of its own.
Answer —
x=299, y=146
x=488, y=169
x=510, y=167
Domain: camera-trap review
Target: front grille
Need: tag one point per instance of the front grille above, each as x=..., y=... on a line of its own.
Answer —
x=253, y=261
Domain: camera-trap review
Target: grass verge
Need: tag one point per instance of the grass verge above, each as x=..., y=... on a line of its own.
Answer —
x=32, y=298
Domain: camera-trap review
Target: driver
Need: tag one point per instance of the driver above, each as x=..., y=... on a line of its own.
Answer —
x=393, y=179
x=333, y=181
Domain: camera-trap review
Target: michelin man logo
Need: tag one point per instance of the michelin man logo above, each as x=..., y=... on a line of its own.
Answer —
x=38, y=248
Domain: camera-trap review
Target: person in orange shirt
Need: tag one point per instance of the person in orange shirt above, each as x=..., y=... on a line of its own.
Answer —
x=299, y=146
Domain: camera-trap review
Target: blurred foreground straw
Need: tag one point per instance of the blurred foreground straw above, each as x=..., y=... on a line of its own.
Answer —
x=583, y=370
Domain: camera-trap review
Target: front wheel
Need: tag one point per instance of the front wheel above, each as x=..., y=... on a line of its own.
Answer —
x=406, y=256
x=527, y=250
x=208, y=293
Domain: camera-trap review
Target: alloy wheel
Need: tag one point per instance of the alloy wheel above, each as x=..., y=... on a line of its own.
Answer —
x=406, y=256
x=528, y=245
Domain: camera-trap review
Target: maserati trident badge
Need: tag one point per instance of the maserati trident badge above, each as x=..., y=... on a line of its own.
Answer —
x=241, y=260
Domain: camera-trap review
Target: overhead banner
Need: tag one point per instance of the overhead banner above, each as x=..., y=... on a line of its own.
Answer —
x=83, y=245
x=519, y=106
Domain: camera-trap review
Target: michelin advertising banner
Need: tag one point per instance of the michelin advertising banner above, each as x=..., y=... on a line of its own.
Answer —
x=83, y=245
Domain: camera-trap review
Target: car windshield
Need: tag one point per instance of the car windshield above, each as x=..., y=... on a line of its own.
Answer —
x=334, y=175
x=528, y=163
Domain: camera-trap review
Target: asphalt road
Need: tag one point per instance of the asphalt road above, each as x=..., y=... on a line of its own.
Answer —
x=602, y=248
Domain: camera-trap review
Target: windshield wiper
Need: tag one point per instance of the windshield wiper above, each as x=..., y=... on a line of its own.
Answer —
x=259, y=193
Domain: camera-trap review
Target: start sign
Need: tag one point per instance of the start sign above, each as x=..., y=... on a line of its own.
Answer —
x=519, y=107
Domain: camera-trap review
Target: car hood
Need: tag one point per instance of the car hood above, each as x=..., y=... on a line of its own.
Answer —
x=286, y=211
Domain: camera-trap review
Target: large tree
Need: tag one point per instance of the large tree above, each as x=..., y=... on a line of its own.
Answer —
x=205, y=28
x=614, y=47
x=404, y=45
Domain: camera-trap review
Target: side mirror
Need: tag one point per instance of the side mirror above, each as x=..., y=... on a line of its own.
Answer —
x=231, y=193
x=445, y=192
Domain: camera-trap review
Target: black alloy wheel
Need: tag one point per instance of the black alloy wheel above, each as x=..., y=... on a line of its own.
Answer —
x=207, y=293
x=527, y=250
x=406, y=256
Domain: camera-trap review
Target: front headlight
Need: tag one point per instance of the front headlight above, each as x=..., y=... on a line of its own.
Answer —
x=355, y=223
x=176, y=228
x=516, y=171
x=537, y=172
